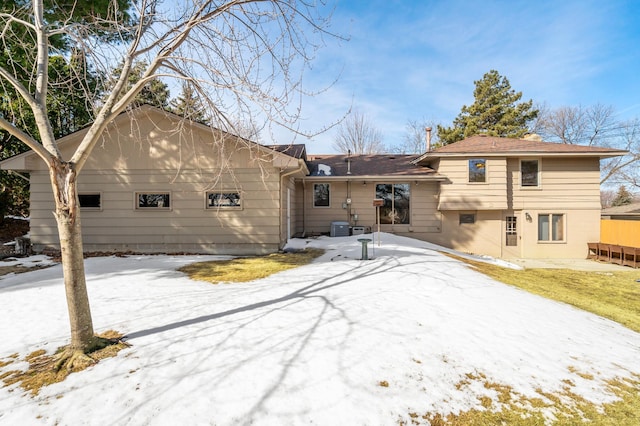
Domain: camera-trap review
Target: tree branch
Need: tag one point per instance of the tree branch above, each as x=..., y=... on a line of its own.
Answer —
x=26, y=139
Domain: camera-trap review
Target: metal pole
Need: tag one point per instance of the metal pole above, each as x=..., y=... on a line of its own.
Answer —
x=378, y=225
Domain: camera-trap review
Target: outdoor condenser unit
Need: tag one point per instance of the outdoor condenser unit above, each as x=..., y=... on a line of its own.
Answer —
x=339, y=229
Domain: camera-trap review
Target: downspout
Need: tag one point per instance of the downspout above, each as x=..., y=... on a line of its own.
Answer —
x=301, y=166
x=304, y=208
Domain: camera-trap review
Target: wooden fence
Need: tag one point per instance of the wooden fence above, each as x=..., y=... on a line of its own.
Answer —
x=620, y=232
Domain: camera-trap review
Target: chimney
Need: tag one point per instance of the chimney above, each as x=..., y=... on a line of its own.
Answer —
x=348, y=160
x=428, y=130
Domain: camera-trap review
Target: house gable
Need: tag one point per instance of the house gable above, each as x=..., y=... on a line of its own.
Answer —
x=157, y=183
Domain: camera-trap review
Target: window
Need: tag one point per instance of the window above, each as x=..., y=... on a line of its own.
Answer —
x=395, y=210
x=153, y=200
x=529, y=172
x=224, y=200
x=551, y=227
x=321, y=194
x=91, y=201
x=467, y=218
x=477, y=170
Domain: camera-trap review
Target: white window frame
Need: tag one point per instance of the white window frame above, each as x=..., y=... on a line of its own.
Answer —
x=538, y=177
x=315, y=206
x=99, y=194
x=208, y=202
x=486, y=171
x=136, y=201
x=550, y=239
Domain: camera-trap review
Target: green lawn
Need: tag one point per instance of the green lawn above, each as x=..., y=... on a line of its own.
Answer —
x=613, y=295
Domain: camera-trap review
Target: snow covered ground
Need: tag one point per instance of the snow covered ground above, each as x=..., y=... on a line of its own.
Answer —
x=306, y=346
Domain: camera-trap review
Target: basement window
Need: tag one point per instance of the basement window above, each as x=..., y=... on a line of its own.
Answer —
x=467, y=219
x=224, y=200
x=153, y=200
x=90, y=201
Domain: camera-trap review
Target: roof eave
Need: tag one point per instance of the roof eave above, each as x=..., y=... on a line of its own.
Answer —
x=520, y=154
x=435, y=178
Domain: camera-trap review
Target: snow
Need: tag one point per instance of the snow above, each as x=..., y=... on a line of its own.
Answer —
x=305, y=346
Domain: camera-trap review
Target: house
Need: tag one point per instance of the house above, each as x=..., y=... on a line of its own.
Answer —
x=158, y=184
x=625, y=212
x=519, y=198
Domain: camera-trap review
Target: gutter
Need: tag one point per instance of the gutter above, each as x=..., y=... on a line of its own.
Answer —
x=13, y=172
x=301, y=167
x=352, y=178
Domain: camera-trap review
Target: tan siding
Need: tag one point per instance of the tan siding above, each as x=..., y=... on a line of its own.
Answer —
x=568, y=184
x=162, y=161
x=425, y=218
x=582, y=226
x=318, y=219
x=362, y=203
x=458, y=194
x=288, y=190
x=482, y=237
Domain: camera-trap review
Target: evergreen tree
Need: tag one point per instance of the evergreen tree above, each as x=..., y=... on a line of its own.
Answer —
x=495, y=112
x=623, y=197
x=70, y=109
x=70, y=106
x=155, y=93
x=188, y=105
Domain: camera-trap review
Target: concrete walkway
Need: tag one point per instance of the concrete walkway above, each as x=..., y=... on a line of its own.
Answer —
x=576, y=264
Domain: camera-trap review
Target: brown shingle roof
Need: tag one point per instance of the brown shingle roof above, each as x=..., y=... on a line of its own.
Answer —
x=367, y=165
x=295, y=151
x=633, y=208
x=492, y=145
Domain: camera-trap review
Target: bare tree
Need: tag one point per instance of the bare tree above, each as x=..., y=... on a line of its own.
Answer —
x=606, y=197
x=356, y=134
x=596, y=125
x=243, y=57
x=414, y=141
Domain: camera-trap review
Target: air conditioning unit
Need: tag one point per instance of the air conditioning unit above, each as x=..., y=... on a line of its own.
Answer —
x=339, y=229
x=358, y=230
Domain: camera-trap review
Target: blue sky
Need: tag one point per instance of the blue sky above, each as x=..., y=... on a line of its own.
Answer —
x=413, y=60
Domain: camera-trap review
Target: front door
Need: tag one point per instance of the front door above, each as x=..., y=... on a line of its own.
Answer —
x=511, y=243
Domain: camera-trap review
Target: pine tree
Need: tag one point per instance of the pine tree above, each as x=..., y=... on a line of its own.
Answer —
x=623, y=197
x=188, y=105
x=155, y=93
x=495, y=112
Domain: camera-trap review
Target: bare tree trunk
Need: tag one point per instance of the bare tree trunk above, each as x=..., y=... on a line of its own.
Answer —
x=63, y=181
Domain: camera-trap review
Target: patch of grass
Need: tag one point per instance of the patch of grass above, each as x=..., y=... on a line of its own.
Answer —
x=244, y=269
x=560, y=409
x=44, y=369
x=613, y=295
x=5, y=270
